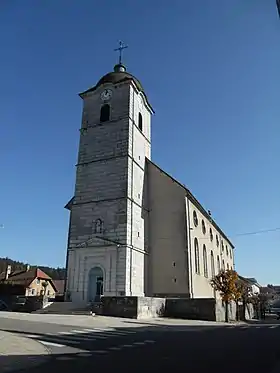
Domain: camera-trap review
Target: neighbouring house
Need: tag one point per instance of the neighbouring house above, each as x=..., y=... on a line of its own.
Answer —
x=60, y=286
x=28, y=282
x=254, y=285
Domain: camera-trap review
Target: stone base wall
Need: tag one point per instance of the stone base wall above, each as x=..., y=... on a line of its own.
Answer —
x=133, y=307
x=208, y=309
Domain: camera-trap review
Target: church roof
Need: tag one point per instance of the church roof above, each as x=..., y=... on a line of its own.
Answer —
x=193, y=200
x=119, y=75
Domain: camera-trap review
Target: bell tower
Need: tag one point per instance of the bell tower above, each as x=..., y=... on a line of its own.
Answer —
x=106, y=243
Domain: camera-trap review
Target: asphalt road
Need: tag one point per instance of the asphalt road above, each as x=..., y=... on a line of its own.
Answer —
x=244, y=348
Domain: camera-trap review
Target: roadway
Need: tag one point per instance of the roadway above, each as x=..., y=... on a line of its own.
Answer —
x=248, y=348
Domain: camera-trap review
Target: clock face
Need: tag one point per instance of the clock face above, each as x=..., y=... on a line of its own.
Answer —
x=106, y=95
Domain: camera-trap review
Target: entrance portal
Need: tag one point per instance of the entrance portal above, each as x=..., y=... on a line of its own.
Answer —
x=95, y=284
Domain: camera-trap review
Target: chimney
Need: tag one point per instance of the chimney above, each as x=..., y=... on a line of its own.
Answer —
x=27, y=267
x=8, y=272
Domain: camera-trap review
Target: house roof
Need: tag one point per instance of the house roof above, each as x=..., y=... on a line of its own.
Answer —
x=194, y=201
x=25, y=277
x=59, y=284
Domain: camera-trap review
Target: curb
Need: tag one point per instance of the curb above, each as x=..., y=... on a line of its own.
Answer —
x=17, y=361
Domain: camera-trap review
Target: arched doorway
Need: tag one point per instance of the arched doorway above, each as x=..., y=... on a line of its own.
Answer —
x=95, y=284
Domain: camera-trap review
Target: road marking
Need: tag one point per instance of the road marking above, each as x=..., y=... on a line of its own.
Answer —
x=109, y=331
x=149, y=341
x=64, y=358
x=100, y=352
x=273, y=327
x=126, y=346
x=115, y=348
x=87, y=335
x=85, y=354
x=139, y=343
x=46, y=343
x=37, y=337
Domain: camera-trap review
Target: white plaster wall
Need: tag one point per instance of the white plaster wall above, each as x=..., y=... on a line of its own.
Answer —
x=201, y=284
x=167, y=235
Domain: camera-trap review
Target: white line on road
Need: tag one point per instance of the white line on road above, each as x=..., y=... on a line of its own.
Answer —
x=100, y=352
x=85, y=354
x=115, y=348
x=78, y=337
x=149, y=341
x=101, y=336
x=110, y=331
x=139, y=343
x=50, y=343
x=37, y=337
x=126, y=346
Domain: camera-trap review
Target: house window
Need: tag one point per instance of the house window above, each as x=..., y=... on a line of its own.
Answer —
x=223, y=265
x=38, y=281
x=195, y=219
x=203, y=227
x=105, y=113
x=33, y=291
x=218, y=264
x=217, y=240
x=196, y=254
x=227, y=266
x=226, y=250
x=140, y=122
x=211, y=234
x=230, y=253
x=212, y=264
x=98, y=226
x=205, y=266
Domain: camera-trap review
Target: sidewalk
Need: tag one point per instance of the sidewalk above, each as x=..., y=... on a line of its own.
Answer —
x=17, y=353
x=105, y=321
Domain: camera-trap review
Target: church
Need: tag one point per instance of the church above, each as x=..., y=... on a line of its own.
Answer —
x=134, y=230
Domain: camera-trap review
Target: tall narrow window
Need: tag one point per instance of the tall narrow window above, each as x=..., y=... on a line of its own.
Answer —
x=218, y=264
x=205, y=265
x=98, y=226
x=212, y=264
x=196, y=255
x=227, y=266
x=105, y=113
x=140, y=122
x=223, y=265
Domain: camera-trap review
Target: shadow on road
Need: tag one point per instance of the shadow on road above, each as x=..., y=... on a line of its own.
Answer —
x=149, y=347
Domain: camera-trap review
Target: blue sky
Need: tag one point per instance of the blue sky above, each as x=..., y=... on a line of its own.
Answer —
x=211, y=71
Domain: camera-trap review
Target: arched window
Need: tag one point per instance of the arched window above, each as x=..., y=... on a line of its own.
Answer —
x=211, y=234
x=218, y=264
x=205, y=265
x=203, y=227
x=196, y=255
x=105, y=113
x=195, y=219
x=140, y=122
x=212, y=264
x=98, y=226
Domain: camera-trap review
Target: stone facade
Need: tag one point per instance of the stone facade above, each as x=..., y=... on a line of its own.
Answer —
x=107, y=219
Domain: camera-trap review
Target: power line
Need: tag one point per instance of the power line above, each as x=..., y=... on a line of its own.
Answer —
x=246, y=233
x=257, y=232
